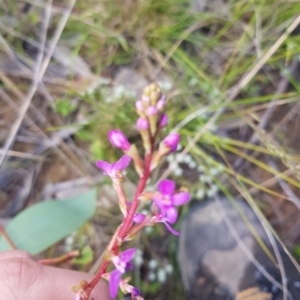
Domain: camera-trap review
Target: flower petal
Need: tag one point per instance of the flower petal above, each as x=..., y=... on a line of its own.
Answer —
x=172, y=230
x=171, y=214
x=139, y=218
x=180, y=198
x=158, y=202
x=127, y=255
x=122, y=163
x=114, y=282
x=104, y=166
x=166, y=187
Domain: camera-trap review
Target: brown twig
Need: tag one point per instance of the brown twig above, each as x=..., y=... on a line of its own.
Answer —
x=60, y=259
x=8, y=239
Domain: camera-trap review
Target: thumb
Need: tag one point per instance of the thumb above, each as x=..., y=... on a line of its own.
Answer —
x=23, y=278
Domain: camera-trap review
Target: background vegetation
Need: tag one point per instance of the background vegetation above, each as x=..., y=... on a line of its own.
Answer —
x=71, y=70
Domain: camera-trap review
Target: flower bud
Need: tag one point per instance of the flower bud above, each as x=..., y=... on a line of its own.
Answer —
x=171, y=141
x=118, y=139
x=139, y=106
x=152, y=114
x=154, y=96
x=161, y=103
x=142, y=124
x=163, y=121
x=151, y=111
x=145, y=98
x=139, y=218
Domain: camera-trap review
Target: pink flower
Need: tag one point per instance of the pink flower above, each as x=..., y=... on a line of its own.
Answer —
x=167, y=201
x=139, y=105
x=114, y=170
x=139, y=218
x=122, y=264
x=172, y=141
x=118, y=139
x=151, y=111
x=160, y=105
x=163, y=121
x=142, y=124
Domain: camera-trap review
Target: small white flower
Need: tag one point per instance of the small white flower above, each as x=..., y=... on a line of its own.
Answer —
x=144, y=211
x=169, y=268
x=214, y=188
x=138, y=260
x=179, y=157
x=178, y=172
x=200, y=193
x=161, y=275
x=149, y=230
x=153, y=264
x=192, y=164
x=69, y=240
x=187, y=158
x=203, y=178
x=200, y=168
x=214, y=171
x=151, y=276
x=211, y=192
x=173, y=164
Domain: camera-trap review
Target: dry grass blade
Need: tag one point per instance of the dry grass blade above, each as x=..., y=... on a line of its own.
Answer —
x=233, y=92
x=40, y=68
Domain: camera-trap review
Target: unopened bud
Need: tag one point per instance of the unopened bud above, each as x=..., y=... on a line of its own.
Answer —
x=151, y=111
x=118, y=139
x=171, y=142
x=160, y=105
x=163, y=121
x=145, y=98
x=154, y=96
x=142, y=124
x=139, y=106
x=152, y=114
x=139, y=218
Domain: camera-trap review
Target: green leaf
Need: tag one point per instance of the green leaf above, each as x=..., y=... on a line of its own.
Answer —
x=44, y=224
x=85, y=258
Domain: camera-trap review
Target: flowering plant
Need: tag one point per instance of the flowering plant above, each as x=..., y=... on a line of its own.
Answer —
x=152, y=119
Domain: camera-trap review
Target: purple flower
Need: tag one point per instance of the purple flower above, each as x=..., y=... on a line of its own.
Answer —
x=172, y=230
x=142, y=124
x=114, y=170
x=145, y=98
x=160, y=105
x=118, y=139
x=151, y=111
x=139, y=105
x=139, y=218
x=122, y=264
x=171, y=141
x=163, y=121
x=166, y=201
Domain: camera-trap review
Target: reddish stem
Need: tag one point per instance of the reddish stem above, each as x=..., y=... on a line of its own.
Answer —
x=142, y=183
x=125, y=226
